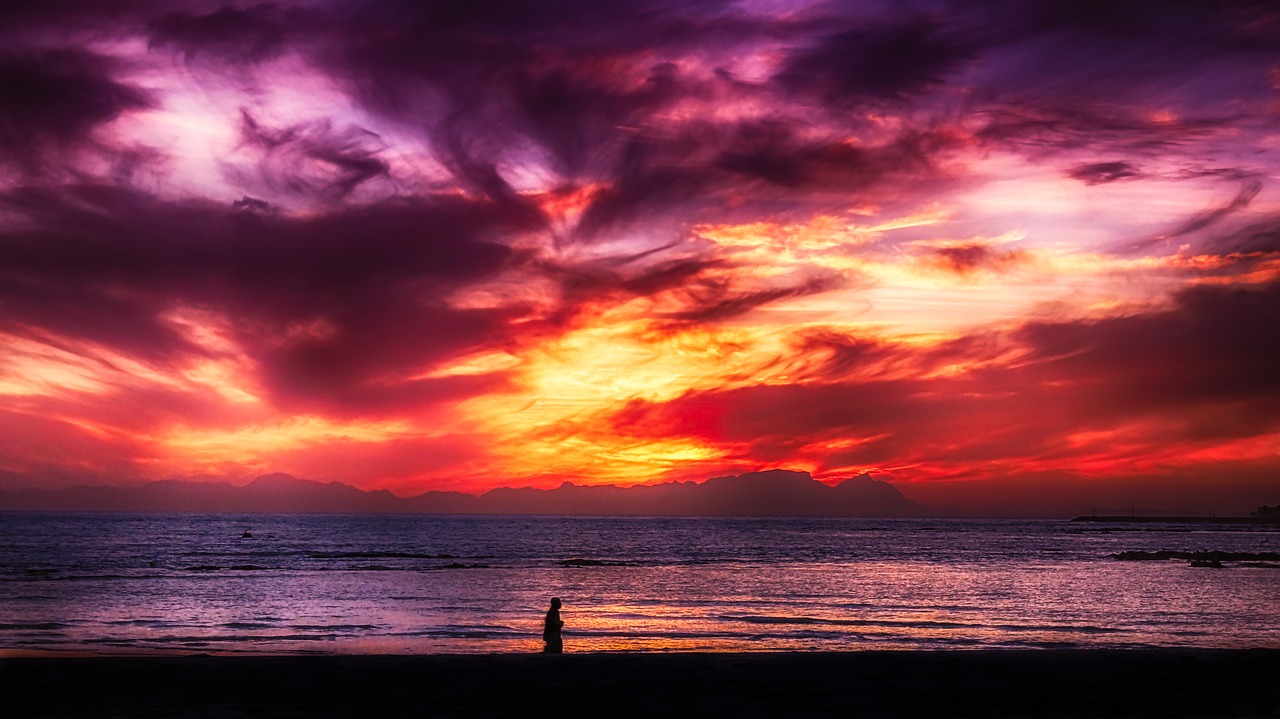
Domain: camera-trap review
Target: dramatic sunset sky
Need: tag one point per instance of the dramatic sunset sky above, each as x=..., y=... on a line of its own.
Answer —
x=1007, y=255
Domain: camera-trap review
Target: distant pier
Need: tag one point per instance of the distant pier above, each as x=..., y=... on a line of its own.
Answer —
x=1263, y=515
x=1142, y=519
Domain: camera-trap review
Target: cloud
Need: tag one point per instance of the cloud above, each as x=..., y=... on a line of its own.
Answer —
x=1244, y=196
x=570, y=77
x=322, y=303
x=21, y=21
x=1100, y=173
x=48, y=450
x=1257, y=237
x=718, y=303
x=574, y=207
x=229, y=34
x=1051, y=129
x=1205, y=352
x=312, y=159
x=966, y=258
x=1200, y=372
x=574, y=111
x=770, y=151
x=1242, y=199
x=875, y=63
x=52, y=100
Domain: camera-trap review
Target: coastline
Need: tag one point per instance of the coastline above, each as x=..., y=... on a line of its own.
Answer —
x=987, y=682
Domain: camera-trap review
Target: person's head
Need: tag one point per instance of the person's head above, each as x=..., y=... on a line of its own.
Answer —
x=555, y=602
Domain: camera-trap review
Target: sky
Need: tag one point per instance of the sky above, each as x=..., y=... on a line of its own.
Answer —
x=1010, y=256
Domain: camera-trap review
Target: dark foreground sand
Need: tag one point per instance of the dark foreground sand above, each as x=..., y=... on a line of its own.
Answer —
x=1067, y=683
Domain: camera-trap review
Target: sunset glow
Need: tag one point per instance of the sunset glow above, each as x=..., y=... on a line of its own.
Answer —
x=1011, y=258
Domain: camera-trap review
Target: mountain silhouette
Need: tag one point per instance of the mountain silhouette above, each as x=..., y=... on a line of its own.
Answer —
x=773, y=493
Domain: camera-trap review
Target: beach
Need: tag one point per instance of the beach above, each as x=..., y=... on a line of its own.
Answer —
x=980, y=683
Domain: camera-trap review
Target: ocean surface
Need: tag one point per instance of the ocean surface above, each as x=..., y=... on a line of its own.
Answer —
x=157, y=583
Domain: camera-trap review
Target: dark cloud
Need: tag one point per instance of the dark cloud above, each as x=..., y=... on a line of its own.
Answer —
x=1050, y=129
x=329, y=305
x=770, y=151
x=454, y=42
x=313, y=159
x=1100, y=173
x=570, y=77
x=875, y=63
x=251, y=204
x=706, y=290
x=1225, y=173
x=1192, y=57
x=838, y=355
x=967, y=258
x=702, y=168
x=338, y=377
x=574, y=114
x=21, y=20
x=1239, y=25
x=661, y=276
x=1208, y=350
x=650, y=176
x=53, y=99
x=228, y=34
x=718, y=302
x=584, y=88
x=1258, y=237
x=589, y=287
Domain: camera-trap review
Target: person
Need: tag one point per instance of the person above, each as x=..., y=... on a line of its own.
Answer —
x=551, y=629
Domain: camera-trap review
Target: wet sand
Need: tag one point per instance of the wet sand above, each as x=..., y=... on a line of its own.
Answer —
x=986, y=683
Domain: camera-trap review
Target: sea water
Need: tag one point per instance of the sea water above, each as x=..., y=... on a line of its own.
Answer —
x=182, y=583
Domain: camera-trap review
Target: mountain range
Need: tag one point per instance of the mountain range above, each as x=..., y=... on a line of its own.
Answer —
x=773, y=493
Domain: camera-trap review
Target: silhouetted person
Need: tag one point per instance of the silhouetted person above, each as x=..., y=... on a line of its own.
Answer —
x=551, y=629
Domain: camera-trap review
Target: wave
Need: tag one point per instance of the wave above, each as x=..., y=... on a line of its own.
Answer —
x=468, y=634
x=381, y=555
x=918, y=624
x=385, y=568
x=155, y=623
x=157, y=573
x=248, y=639
x=33, y=626
x=77, y=577
x=231, y=556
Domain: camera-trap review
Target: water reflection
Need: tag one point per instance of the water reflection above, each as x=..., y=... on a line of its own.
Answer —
x=92, y=583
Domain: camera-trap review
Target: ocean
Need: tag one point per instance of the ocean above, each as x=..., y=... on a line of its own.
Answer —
x=356, y=584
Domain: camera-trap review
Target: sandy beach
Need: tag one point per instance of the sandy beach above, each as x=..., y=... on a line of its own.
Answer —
x=988, y=683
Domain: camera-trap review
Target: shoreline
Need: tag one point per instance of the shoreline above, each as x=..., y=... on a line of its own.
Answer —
x=979, y=682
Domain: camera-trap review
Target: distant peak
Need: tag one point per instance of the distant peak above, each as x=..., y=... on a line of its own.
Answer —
x=767, y=475
x=277, y=478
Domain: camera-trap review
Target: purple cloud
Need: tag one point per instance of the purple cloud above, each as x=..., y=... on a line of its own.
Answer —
x=51, y=100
